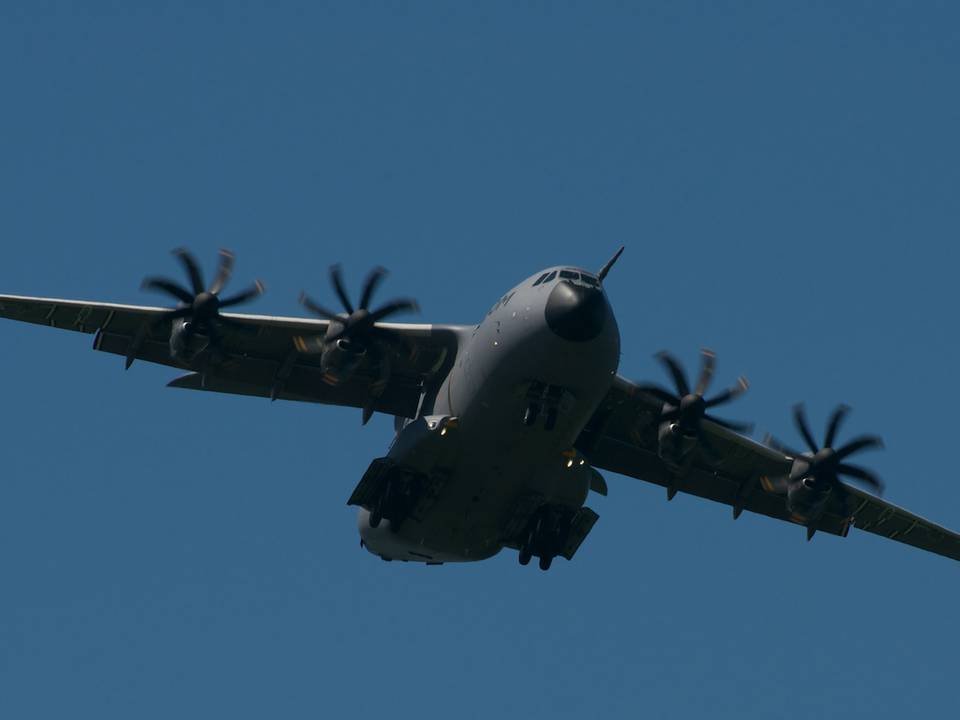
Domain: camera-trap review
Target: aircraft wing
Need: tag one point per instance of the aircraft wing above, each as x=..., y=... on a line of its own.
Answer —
x=622, y=437
x=261, y=358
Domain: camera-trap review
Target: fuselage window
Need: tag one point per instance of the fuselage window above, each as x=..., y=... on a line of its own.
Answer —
x=569, y=275
x=540, y=279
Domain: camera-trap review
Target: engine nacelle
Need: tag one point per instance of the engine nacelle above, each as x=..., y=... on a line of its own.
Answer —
x=181, y=334
x=674, y=444
x=340, y=359
x=806, y=497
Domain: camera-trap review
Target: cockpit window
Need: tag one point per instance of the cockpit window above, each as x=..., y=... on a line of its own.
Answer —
x=550, y=277
x=540, y=279
x=589, y=279
x=569, y=275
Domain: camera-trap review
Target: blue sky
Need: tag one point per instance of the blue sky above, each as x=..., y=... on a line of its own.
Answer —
x=784, y=178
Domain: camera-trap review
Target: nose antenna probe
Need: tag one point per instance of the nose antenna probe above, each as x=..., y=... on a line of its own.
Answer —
x=610, y=263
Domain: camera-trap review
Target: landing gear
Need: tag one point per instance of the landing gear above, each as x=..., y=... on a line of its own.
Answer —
x=550, y=422
x=548, y=531
x=545, y=400
x=376, y=515
x=526, y=550
x=531, y=414
x=388, y=504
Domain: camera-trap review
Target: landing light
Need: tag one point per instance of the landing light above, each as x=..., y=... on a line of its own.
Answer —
x=443, y=431
x=570, y=463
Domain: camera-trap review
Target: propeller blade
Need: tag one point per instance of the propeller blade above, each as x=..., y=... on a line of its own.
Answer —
x=256, y=290
x=704, y=441
x=800, y=420
x=771, y=441
x=861, y=474
x=671, y=415
x=391, y=308
x=214, y=335
x=860, y=443
x=370, y=286
x=707, y=367
x=676, y=372
x=660, y=394
x=337, y=279
x=223, y=272
x=212, y=330
x=169, y=287
x=193, y=270
x=836, y=419
x=730, y=393
x=316, y=309
x=735, y=425
x=176, y=314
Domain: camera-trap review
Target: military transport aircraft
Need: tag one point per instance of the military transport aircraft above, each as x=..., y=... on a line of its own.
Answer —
x=501, y=426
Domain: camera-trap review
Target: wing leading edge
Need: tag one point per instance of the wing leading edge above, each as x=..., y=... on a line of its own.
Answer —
x=260, y=356
x=622, y=437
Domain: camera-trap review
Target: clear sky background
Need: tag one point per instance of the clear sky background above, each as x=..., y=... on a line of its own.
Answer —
x=784, y=176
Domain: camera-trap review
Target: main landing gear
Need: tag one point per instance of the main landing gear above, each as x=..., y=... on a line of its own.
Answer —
x=546, y=536
x=391, y=492
x=395, y=501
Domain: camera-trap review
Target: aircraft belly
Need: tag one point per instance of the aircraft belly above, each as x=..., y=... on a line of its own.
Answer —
x=490, y=459
x=479, y=497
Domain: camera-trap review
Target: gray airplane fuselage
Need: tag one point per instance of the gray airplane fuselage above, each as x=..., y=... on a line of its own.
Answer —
x=502, y=425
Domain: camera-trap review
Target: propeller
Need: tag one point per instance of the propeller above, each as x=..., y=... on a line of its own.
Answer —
x=355, y=325
x=200, y=305
x=689, y=407
x=822, y=467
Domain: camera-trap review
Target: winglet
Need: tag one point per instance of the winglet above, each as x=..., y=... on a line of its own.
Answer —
x=606, y=268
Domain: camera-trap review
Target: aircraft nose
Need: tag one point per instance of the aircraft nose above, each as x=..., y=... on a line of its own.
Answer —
x=575, y=312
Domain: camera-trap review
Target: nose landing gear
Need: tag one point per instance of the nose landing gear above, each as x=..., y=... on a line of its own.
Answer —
x=545, y=400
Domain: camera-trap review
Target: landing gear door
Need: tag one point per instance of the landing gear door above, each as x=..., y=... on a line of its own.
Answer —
x=580, y=527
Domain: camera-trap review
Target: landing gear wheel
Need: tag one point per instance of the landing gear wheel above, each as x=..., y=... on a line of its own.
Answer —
x=545, y=561
x=376, y=515
x=530, y=416
x=525, y=556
